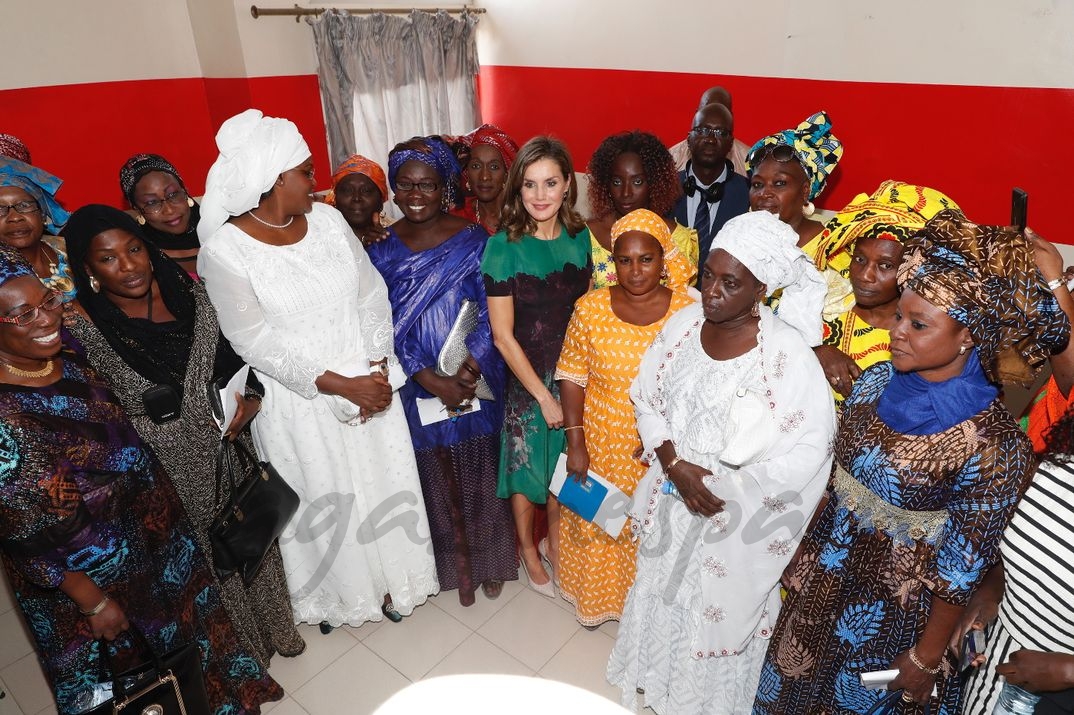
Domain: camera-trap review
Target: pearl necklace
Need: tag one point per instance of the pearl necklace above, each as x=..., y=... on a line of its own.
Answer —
x=270, y=225
x=19, y=372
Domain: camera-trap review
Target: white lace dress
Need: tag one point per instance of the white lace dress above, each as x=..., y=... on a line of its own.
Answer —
x=697, y=620
x=293, y=312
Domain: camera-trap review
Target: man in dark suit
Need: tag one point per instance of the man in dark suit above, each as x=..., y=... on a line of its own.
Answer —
x=712, y=191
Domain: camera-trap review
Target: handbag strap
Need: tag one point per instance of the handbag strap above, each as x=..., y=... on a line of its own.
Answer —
x=224, y=465
x=137, y=639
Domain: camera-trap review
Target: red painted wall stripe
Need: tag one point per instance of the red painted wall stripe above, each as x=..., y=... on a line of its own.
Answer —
x=84, y=132
x=973, y=143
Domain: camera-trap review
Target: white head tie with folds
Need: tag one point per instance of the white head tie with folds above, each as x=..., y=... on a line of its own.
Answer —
x=254, y=151
x=769, y=249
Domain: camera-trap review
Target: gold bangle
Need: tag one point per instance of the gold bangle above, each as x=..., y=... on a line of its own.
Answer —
x=568, y=429
x=96, y=609
x=671, y=464
x=917, y=661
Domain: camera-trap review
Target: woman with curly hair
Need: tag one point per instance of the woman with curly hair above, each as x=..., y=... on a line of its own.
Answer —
x=628, y=171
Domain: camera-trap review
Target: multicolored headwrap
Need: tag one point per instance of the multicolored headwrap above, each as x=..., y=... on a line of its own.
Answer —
x=39, y=184
x=358, y=164
x=13, y=147
x=439, y=156
x=985, y=278
x=769, y=249
x=816, y=149
x=254, y=151
x=895, y=211
x=12, y=264
x=491, y=135
x=138, y=166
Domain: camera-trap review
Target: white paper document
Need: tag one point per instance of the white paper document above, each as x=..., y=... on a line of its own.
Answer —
x=432, y=410
x=237, y=383
x=598, y=500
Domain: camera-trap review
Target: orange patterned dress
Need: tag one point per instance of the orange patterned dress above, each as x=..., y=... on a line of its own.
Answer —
x=602, y=353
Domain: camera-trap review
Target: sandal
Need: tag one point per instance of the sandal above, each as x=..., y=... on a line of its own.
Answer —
x=492, y=589
x=388, y=609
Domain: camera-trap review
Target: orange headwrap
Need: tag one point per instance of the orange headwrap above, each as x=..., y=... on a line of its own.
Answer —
x=680, y=272
x=358, y=164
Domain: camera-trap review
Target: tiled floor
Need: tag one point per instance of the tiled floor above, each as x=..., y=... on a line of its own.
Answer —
x=353, y=670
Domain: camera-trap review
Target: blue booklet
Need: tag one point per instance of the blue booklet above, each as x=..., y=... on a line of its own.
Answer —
x=598, y=500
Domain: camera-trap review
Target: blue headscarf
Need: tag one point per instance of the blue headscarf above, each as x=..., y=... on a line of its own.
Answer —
x=13, y=265
x=39, y=184
x=439, y=156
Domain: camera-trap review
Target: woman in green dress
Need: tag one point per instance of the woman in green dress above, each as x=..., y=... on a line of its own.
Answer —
x=535, y=268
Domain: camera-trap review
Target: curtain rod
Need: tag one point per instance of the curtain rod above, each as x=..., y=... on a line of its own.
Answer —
x=297, y=12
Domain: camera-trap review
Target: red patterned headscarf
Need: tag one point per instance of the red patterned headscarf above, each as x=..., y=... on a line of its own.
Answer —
x=495, y=137
x=358, y=164
x=12, y=146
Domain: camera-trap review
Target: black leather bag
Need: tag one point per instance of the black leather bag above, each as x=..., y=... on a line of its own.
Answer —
x=171, y=684
x=258, y=507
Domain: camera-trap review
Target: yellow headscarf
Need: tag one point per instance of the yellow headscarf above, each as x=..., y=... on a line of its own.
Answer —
x=679, y=270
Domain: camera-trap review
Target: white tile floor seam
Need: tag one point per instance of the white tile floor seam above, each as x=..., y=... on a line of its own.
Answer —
x=354, y=670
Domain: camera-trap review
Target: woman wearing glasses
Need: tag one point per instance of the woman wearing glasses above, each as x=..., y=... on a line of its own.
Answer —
x=146, y=324
x=28, y=209
x=166, y=212
x=431, y=262
x=92, y=534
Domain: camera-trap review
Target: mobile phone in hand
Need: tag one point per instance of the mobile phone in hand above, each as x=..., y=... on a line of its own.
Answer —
x=972, y=645
x=1019, y=206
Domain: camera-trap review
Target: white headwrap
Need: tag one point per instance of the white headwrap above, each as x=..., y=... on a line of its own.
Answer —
x=769, y=249
x=254, y=151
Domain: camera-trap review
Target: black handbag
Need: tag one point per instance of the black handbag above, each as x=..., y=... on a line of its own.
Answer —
x=258, y=507
x=171, y=684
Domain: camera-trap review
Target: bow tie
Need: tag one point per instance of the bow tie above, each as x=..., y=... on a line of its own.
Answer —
x=712, y=194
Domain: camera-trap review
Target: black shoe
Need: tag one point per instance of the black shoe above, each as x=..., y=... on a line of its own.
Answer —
x=326, y=628
x=388, y=609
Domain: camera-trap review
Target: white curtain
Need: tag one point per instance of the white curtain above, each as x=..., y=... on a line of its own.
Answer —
x=387, y=78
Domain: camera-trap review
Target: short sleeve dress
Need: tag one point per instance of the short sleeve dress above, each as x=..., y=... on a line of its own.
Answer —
x=544, y=278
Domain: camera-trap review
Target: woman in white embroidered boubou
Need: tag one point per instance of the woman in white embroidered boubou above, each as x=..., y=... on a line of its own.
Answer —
x=301, y=303
x=737, y=423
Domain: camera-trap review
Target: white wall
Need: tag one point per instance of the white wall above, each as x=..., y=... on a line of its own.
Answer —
x=977, y=42
x=51, y=42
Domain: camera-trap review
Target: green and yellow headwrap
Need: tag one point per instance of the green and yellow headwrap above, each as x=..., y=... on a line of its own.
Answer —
x=813, y=144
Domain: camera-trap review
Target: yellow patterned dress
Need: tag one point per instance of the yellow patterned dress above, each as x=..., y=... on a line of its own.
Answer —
x=602, y=353
x=863, y=343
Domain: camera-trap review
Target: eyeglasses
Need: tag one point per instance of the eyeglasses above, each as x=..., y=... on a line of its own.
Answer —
x=155, y=206
x=717, y=132
x=52, y=302
x=425, y=187
x=22, y=207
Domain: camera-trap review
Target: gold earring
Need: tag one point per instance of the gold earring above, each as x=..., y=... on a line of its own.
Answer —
x=140, y=219
x=94, y=284
x=755, y=311
x=190, y=202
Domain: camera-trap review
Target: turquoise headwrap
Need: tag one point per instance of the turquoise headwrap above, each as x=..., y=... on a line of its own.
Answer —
x=39, y=184
x=816, y=149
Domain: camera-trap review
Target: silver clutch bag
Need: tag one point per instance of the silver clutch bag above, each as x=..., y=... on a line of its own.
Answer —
x=455, y=351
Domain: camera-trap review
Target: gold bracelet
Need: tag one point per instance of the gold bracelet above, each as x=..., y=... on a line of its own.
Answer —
x=96, y=609
x=671, y=464
x=568, y=429
x=917, y=661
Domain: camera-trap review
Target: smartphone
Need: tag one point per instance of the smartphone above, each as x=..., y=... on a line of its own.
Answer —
x=972, y=645
x=1019, y=205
